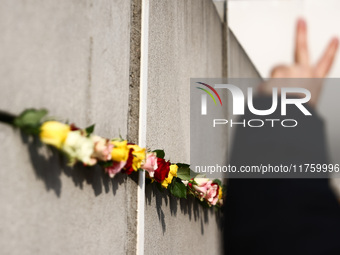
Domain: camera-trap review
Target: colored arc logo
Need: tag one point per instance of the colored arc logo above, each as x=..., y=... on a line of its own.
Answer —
x=209, y=93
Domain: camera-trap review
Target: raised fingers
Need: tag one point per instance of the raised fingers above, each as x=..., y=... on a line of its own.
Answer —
x=325, y=63
x=301, y=47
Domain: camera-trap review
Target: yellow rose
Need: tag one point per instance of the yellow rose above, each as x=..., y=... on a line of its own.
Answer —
x=54, y=133
x=120, y=152
x=220, y=193
x=171, y=175
x=138, y=156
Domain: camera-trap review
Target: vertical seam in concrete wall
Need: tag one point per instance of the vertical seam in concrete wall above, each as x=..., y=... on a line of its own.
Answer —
x=132, y=123
x=226, y=61
x=225, y=43
x=227, y=52
x=88, y=115
x=142, y=122
x=134, y=83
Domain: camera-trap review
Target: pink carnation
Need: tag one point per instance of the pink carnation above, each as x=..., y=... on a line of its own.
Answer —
x=150, y=164
x=203, y=184
x=206, y=190
x=212, y=194
x=102, y=148
x=115, y=168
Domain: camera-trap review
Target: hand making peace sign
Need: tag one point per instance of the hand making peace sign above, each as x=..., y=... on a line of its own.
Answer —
x=302, y=67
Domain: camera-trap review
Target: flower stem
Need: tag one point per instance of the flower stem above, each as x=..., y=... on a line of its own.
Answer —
x=7, y=118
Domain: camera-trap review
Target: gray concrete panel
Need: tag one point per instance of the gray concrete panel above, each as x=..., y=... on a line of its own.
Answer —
x=240, y=66
x=185, y=41
x=72, y=58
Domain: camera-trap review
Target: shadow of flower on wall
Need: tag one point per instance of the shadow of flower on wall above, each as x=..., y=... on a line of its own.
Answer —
x=166, y=204
x=49, y=165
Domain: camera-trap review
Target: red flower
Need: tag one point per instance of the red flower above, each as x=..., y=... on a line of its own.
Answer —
x=74, y=127
x=128, y=166
x=163, y=170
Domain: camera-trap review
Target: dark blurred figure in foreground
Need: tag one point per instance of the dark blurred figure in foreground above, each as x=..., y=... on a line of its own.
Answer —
x=284, y=216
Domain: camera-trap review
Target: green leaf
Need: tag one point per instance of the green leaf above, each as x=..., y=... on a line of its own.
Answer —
x=182, y=165
x=105, y=163
x=30, y=120
x=117, y=139
x=147, y=181
x=159, y=186
x=183, y=172
x=203, y=203
x=178, y=189
x=89, y=130
x=199, y=175
x=224, y=189
x=159, y=153
x=218, y=182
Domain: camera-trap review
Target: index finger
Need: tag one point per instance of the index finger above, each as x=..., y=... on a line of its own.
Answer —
x=301, y=47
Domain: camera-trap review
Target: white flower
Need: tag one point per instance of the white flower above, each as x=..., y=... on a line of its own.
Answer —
x=185, y=182
x=79, y=147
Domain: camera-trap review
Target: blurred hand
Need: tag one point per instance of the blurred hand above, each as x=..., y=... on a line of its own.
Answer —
x=302, y=68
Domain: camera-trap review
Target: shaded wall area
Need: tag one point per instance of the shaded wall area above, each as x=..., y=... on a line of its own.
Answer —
x=239, y=64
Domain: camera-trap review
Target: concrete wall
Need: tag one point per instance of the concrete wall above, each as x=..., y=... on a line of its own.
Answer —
x=71, y=57
x=80, y=60
x=239, y=64
x=192, y=33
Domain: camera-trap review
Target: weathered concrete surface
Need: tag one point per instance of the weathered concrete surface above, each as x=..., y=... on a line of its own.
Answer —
x=240, y=66
x=135, y=55
x=185, y=41
x=75, y=59
x=72, y=58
